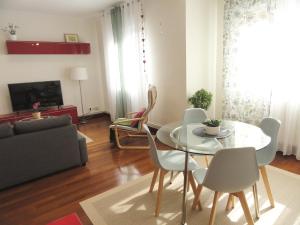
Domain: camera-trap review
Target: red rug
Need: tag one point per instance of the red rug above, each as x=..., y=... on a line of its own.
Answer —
x=71, y=219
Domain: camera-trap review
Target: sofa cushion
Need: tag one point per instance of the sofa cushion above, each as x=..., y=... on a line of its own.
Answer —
x=6, y=130
x=22, y=127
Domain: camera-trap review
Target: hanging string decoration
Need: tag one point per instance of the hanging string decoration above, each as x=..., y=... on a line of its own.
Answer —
x=143, y=36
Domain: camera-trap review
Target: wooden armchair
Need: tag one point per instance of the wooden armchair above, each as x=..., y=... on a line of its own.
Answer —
x=123, y=124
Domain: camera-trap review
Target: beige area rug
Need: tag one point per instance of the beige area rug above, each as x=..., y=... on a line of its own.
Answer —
x=132, y=204
x=88, y=140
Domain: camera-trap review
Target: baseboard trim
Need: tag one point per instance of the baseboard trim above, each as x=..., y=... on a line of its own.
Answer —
x=154, y=125
x=95, y=115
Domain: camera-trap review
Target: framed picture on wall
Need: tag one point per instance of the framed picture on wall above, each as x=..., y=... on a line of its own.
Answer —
x=71, y=38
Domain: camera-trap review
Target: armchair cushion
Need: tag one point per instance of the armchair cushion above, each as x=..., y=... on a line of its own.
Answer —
x=122, y=122
x=137, y=115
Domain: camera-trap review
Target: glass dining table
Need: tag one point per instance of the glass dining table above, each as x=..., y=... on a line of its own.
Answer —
x=192, y=139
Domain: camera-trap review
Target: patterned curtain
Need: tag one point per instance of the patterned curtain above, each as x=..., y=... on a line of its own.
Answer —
x=247, y=68
x=261, y=65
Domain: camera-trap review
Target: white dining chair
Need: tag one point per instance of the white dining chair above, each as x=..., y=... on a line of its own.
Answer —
x=194, y=115
x=165, y=161
x=230, y=171
x=265, y=156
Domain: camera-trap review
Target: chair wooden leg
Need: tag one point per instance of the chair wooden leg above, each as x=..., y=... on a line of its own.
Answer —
x=197, y=198
x=192, y=181
x=156, y=171
x=159, y=192
x=264, y=175
x=206, y=161
x=117, y=137
x=256, y=204
x=194, y=187
x=171, y=177
x=230, y=202
x=188, y=184
x=213, y=209
x=245, y=207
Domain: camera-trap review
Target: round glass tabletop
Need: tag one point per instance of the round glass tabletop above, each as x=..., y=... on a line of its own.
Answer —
x=191, y=138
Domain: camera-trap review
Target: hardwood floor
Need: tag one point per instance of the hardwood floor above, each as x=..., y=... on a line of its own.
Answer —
x=289, y=163
x=41, y=201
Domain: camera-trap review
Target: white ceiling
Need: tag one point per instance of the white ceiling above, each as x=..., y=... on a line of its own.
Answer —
x=69, y=7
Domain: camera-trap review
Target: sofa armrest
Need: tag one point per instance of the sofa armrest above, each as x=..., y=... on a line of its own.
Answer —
x=82, y=149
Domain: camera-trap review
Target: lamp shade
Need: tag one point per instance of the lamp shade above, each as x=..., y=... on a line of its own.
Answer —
x=79, y=73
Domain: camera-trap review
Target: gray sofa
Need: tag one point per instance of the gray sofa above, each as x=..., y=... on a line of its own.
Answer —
x=32, y=149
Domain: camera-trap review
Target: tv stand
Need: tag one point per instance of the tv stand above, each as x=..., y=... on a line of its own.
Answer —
x=55, y=111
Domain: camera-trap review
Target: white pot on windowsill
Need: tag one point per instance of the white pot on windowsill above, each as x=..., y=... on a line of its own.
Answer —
x=13, y=37
x=212, y=130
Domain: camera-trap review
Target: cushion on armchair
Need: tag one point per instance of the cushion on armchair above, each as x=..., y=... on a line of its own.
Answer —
x=122, y=121
x=119, y=121
x=139, y=114
x=126, y=123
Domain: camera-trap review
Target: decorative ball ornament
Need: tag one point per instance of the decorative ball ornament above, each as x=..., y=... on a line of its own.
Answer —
x=143, y=39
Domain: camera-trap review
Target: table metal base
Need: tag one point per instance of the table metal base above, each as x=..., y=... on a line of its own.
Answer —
x=185, y=183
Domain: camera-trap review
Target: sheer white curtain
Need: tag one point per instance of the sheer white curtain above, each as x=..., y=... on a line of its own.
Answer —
x=111, y=61
x=136, y=82
x=285, y=98
x=261, y=68
x=126, y=79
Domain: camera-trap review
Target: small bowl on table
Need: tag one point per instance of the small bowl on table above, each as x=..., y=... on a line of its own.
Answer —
x=215, y=131
x=212, y=127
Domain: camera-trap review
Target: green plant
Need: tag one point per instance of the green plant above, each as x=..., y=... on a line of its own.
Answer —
x=212, y=123
x=201, y=99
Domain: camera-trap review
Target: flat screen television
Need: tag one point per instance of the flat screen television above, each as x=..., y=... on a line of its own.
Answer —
x=23, y=95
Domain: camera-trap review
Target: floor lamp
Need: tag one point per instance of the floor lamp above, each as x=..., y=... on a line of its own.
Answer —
x=79, y=74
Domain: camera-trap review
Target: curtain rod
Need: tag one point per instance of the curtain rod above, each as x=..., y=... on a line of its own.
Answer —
x=120, y=3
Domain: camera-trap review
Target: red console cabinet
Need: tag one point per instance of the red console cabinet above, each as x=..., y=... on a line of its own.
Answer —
x=43, y=47
x=63, y=110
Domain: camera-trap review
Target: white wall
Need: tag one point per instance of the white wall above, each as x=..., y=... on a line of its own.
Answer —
x=166, y=59
x=204, y=19
x=184, y=54
x=29, y=68
x=197, y=48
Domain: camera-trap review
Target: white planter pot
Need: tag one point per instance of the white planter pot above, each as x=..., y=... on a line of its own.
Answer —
x=13, y=37
x=36, y=115
x=212, y=130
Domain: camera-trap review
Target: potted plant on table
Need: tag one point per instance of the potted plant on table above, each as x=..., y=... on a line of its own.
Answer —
x=36, y=113
x=201, y=99
x=212, y=127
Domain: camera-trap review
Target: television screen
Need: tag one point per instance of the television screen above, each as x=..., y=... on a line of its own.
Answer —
x=23, y=95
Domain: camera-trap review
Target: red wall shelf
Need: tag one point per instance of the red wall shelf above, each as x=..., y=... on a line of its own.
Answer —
x=45, y=47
